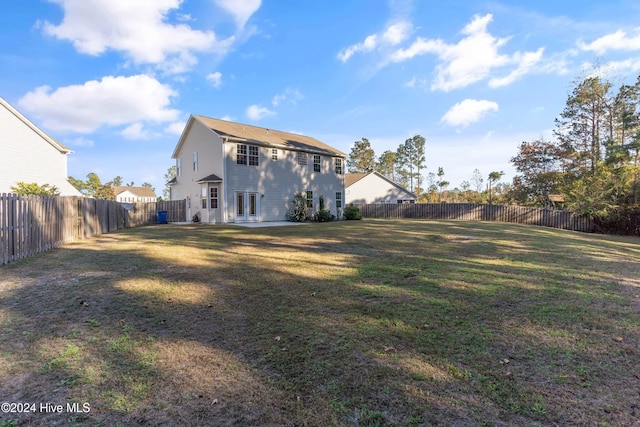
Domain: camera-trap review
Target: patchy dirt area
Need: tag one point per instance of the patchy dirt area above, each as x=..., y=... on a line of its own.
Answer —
x=350, y=323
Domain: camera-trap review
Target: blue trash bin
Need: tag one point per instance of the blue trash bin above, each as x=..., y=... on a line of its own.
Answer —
x=162, y=217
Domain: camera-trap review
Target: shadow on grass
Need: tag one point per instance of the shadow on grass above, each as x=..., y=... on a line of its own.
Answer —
x=367, y=323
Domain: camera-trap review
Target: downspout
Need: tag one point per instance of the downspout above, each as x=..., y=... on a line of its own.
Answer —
x=223, y=186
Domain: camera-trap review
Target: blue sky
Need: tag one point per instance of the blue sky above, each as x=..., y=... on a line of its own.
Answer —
x=116, y=80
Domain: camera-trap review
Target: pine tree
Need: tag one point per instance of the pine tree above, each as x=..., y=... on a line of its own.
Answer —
x=362, y=158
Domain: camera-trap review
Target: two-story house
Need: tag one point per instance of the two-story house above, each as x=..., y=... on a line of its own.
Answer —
x=134, y=194
x=29, y=155
x=231, y=172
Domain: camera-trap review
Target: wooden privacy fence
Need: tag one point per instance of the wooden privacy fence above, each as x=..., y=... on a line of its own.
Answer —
x=33, y=224
x=473, y=212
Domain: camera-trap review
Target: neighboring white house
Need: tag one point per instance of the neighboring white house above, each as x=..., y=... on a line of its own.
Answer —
x=29, y=155
x=231, y=172
x=134, y=194
x=373, y=187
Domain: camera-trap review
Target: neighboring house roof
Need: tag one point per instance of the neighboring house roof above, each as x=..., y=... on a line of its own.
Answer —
x=55, y=143
x=352, y=178
x=257, y=135
x=136, y=191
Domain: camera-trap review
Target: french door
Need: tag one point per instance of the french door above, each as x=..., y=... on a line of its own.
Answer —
x=247, y=206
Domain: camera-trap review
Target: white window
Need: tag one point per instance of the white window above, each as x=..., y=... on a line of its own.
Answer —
x=213, y=197
x=247, y=155
x=274, y=154
x=338, y=200
x=338, y=166
x=195, y=161
x=309, y=199
x=316, y=163
x=302, y=158
x=241, y=154
x=178, y=167
x=253, y=156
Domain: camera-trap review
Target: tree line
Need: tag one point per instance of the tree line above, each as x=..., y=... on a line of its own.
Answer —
x=592, y=164
x=406, y=166
x=91, y=187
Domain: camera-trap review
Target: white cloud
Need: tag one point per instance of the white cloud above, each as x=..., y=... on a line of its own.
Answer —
x=135, y=131
x=241, y=10
x=468, y=111
x=412, y=82
x=472, y=59
x=628, y=65
x=112, y=101
x=175, y=128
x=257, y=112
x=416, y=82
x=396, y=33
x=137, y=28
x=393, y=35
x=526, y=62
x=215, y=79
x=290, y=95
x=615, y=41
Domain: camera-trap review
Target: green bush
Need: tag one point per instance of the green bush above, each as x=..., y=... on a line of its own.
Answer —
x=324, y=215
x=298, y=211
x=352, y=212
x=33, y=189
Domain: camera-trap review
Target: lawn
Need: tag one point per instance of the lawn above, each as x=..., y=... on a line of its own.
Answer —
x=355, y=323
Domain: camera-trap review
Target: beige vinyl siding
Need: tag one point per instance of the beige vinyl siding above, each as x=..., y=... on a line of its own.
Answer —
x=274, y=181
x=25, y=156
x=374, y=189
x=202, y=140
x=278, y=180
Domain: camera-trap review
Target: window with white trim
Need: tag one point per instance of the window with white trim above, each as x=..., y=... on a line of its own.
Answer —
x=302, y=158
x=338, y=166
x=254, y=158
x=338, y=200
x=247, y=155
x=316, y=163
x=309, y=199
x=213, y=198
x=274, y=154
x=241, y=154
x=195, y=161
x=178, y=167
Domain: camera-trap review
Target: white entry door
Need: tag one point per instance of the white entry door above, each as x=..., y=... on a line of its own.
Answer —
x=247, y=206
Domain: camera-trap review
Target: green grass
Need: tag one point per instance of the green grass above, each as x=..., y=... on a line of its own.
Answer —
x=367, y=323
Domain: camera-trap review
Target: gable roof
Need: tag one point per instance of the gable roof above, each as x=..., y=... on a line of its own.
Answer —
x=210, y=178
x=239, y=132
x=136, y=191
x=352, y=178
x=54, y=142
